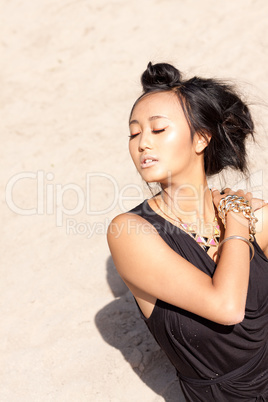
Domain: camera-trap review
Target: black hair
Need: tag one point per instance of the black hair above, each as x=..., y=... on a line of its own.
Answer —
x=212, y=108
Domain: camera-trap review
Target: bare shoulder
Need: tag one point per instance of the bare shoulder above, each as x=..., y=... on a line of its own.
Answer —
x=128, y=235
x=262, y=228
x=127, y=225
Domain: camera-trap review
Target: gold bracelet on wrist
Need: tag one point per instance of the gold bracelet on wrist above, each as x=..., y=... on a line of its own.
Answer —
x=238, y=204
x=238, y=238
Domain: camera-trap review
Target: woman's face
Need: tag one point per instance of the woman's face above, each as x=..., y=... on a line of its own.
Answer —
x=160, y=139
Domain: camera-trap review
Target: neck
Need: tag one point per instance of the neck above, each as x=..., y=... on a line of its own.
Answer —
x=190, y=201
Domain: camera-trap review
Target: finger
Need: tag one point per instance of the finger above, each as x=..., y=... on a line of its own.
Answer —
x=216, y=196
x=248, y=196
x=241, y=193
x=215, y=193
x=227, y=191
x=214, y=190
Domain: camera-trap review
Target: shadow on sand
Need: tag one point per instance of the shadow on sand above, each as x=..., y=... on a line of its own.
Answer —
x=121, y=326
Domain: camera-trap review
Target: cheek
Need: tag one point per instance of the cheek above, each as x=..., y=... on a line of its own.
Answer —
x=171, y=138
x=178, y=142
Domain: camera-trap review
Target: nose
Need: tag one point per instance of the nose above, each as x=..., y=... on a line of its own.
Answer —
x=145, y=141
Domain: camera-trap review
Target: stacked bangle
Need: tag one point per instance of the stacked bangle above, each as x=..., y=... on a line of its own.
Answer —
x=235, y=203
x=238, y=238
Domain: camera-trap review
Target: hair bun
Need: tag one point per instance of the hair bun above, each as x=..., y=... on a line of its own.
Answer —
x=160, y=75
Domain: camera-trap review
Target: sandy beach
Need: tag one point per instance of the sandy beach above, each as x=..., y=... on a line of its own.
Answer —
x=70, y=330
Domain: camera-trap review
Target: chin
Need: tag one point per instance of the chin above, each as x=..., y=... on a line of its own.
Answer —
x=154, y=175
x=150, y=177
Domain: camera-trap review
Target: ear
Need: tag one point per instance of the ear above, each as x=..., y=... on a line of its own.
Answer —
x=201, y=142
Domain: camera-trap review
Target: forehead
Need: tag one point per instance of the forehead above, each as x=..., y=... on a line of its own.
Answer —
x=160, y=103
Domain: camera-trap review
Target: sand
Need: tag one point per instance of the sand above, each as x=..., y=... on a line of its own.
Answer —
x=69, y=74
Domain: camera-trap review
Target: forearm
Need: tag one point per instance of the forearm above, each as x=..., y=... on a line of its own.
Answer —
x=232, y=273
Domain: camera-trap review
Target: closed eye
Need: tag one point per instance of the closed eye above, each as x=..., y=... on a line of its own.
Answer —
x=153, y=131
x=133, y=135
x=158, y=131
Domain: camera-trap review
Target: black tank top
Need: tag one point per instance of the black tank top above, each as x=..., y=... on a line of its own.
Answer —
x=214, y=362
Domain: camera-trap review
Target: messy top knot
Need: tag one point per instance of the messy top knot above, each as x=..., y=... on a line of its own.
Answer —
x=212, y=108
x=160, y=76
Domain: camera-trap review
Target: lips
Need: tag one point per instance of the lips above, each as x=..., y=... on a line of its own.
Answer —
x=148, y=160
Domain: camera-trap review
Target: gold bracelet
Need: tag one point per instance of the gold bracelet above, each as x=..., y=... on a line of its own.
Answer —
x=239, y=238
x=235, y=203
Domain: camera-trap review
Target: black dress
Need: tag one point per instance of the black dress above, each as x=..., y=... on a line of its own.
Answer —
x=214, y=362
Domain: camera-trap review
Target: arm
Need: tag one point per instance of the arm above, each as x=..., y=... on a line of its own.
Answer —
x=150, y=267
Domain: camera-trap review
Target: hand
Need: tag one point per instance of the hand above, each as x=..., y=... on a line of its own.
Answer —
x=256, y=203
x=238, y=216
x=217, y=196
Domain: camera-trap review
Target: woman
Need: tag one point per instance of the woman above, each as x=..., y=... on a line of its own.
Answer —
x=195, y=259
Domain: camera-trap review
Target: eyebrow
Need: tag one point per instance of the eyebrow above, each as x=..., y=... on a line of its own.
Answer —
x=150, y=119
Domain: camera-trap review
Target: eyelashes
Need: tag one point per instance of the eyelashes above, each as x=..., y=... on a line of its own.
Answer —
x=133, y=135
x=153, y=131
